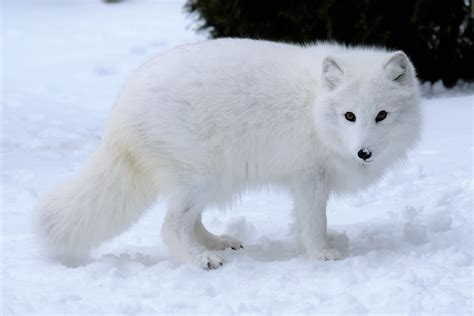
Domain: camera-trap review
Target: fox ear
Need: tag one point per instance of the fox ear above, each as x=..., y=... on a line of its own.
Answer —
x=332, y=73
x=397, y=68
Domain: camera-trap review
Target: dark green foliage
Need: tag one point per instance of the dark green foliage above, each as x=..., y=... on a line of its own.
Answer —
x=437, y=35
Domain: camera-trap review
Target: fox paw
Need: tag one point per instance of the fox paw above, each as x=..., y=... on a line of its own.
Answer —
x=327, y=254
x=209, y=260
x=225, y=241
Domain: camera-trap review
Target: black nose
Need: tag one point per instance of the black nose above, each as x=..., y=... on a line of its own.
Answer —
x=364, y=154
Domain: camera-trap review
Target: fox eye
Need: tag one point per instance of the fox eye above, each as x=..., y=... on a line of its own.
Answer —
x=381, y=116
x=350, y=116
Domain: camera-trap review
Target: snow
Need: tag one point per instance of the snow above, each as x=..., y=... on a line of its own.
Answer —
x=408, y=240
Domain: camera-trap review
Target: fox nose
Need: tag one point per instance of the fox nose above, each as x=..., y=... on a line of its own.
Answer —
x=364, y=154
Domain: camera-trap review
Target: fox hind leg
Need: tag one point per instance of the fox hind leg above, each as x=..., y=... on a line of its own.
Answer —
x=179, y=233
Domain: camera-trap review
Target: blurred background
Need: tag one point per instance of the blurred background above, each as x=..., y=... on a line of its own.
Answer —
x=437, y=35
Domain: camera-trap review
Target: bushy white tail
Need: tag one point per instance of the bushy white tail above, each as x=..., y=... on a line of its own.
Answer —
x=110, y=193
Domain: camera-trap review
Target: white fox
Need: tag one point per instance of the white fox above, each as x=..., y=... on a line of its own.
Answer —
x=202, y=123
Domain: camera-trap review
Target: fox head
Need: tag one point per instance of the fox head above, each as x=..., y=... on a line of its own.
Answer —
x=368, y=106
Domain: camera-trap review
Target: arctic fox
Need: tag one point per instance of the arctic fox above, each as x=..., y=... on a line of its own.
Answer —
x=202, y=123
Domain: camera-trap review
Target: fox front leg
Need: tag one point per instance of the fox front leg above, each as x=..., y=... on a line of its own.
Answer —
x=310, y=200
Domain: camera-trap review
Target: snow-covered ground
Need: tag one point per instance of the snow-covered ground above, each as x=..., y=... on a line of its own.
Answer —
x=410, y=246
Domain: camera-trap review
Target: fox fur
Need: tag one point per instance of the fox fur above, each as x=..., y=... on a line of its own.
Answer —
x=202, y=123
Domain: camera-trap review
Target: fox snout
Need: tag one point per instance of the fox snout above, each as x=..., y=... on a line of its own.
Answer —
x=364, y=154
